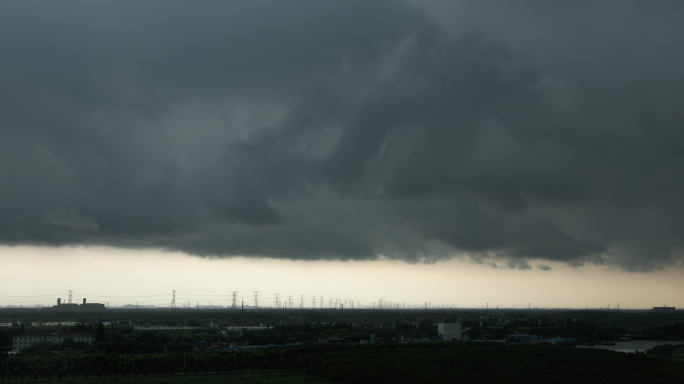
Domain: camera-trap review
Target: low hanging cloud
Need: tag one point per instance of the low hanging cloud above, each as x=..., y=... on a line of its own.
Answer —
x=351, y=130
x=70, y=218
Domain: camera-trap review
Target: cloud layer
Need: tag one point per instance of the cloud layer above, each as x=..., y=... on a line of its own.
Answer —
x=346, y=130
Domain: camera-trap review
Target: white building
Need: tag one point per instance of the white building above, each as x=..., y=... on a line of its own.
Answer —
x=27, y=339
x=449, y=331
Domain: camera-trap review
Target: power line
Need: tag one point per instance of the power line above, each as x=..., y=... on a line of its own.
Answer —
x=56, y=294
x=23, y=301
x=121, y=297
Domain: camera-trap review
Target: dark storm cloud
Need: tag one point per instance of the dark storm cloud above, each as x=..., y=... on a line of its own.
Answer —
x=346, y=130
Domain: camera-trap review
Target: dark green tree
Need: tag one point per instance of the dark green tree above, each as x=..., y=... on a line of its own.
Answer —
x=100, y=333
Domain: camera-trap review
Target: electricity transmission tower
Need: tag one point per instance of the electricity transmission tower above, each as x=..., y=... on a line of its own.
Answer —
x=70, y=293
x=173, y=300
x=301, y=304
x=234, y=306
x=256, y=299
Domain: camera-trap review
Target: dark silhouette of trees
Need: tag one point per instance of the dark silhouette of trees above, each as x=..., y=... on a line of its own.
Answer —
x=100, y=333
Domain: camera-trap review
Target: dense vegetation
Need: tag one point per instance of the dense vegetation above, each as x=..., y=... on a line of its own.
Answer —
x=266, y=378
x=490, y=363
x=590, y=326
x=460, y=362
x=45, y=365
x=120, y=350
x=119, y=339
x=288, y=326
x=284, y=329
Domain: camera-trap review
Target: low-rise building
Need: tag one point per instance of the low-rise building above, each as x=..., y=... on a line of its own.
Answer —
x=519, y=338
x=449, y=331
x=27, y=339
x=664, y=309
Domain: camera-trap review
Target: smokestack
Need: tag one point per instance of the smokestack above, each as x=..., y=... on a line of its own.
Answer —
x=59, y=301
x=84, y=300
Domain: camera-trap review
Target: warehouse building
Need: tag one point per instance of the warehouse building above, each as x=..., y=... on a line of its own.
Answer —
x=449, y=331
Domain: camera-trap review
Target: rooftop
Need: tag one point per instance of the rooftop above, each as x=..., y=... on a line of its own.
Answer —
x=54, y=334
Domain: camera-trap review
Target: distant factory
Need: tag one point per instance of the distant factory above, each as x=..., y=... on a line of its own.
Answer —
x=73, y=307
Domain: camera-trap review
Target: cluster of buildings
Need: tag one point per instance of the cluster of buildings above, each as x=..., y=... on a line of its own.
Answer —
x=664, y=309
x=28, y=339
x=445, y=332
x=73, y=307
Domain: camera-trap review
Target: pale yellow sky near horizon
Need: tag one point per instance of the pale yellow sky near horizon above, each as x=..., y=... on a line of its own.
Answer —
x=115, y=276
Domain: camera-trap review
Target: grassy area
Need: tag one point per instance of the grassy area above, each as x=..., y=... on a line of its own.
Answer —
x=266, y=378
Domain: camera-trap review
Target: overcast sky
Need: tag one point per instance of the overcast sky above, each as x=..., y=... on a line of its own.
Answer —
x=515, y=135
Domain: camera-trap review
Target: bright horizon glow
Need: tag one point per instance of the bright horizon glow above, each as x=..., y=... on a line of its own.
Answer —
x=96, y=272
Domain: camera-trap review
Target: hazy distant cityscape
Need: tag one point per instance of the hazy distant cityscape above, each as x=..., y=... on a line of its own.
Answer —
x=276, y=301
x=274, y=336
